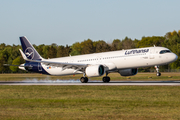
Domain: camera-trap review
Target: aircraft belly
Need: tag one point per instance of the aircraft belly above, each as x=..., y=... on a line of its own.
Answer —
x=60, y=71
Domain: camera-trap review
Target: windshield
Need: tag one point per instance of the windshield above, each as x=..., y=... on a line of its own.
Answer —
x=164, y=51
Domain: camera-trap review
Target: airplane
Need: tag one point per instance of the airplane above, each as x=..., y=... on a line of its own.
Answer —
x=124, y=62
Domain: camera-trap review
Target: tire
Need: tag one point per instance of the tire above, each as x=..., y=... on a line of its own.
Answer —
x=106, y=79
x=158, y=74
x=84, y=79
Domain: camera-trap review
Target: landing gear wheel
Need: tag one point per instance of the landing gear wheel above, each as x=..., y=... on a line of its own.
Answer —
x=84, y=79
x=158, y=74
x=106, y=79
x=157, y=69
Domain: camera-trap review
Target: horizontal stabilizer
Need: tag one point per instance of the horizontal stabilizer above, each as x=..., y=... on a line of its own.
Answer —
x=16, y=65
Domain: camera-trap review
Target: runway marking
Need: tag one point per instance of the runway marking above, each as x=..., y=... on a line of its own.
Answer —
x=115, y=83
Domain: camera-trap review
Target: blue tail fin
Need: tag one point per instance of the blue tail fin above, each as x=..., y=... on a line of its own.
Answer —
x=29, y=50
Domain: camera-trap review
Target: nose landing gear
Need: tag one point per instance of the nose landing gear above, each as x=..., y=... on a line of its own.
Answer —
x=157, y=69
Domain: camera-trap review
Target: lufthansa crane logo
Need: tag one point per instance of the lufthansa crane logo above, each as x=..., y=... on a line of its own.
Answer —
x=29, y=52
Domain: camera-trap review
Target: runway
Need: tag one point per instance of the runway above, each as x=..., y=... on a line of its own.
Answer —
x=97, y=83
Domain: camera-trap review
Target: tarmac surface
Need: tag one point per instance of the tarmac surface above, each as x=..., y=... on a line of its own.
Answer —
x=96, y=83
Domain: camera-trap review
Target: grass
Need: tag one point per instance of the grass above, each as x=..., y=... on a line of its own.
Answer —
x=114, y=77
x=90, y=102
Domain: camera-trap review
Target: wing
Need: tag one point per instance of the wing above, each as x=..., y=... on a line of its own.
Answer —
x=61, y=64
x=75, y=66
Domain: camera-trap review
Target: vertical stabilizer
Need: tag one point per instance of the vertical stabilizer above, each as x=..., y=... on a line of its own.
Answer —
x=29, y=50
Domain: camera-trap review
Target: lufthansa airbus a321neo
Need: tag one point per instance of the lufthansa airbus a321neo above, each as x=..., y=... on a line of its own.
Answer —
x=125, y=62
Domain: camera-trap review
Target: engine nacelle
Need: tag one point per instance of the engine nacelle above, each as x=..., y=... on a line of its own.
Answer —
x=95, y=70
x=128, y=72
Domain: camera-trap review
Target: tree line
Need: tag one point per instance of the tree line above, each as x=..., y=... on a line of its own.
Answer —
x=11, y=55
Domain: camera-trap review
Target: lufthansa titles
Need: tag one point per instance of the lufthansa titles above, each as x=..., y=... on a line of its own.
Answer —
x=136, y=51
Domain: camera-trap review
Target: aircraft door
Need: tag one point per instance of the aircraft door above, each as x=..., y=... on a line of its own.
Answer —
x=39, y=67
x=71, y=61
x=151, y=54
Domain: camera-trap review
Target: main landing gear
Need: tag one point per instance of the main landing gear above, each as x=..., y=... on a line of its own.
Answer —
x=106, y=79
x=157, y=69
x=84, y=79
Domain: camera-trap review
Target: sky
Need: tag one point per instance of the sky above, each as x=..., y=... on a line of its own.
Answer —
x=65, y=22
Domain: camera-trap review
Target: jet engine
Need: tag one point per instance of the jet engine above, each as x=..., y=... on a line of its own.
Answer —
x=128, y=72
x=95, y=70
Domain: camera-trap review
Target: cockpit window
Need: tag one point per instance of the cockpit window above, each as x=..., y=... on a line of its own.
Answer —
x=164, y=51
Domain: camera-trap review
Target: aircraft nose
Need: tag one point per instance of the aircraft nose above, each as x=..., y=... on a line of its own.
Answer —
x=175, y=57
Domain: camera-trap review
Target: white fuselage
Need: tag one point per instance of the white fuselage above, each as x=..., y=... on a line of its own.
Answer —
x=115, y=60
